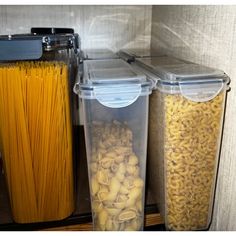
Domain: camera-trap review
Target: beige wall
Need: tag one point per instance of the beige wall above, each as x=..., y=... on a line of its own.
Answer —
x=99, y=26
x=207, y=35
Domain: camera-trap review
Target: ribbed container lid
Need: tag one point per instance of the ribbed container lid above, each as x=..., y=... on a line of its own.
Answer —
x=114, y=83
x=194, y=81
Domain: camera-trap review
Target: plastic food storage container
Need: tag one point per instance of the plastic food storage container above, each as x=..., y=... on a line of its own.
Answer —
x=130, y=55
x=185, y=126
x=62, y=44
x=115, y=102
x=99, y=54
x=36, y=125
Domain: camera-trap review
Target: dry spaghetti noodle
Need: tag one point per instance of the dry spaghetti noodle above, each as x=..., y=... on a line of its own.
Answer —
x=36, y=140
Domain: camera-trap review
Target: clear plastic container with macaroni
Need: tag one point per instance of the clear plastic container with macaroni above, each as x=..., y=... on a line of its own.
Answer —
x=185, y=128
x=36, y=123
x=115, y=104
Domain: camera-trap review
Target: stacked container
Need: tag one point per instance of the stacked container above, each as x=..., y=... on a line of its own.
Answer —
x=130, y=55
x=115, y=102
x=36, y=77
x=185, y=125
x=99, y=54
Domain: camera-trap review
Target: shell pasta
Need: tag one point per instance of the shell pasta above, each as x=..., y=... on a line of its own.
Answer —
x=36, y=140
x=116, y=184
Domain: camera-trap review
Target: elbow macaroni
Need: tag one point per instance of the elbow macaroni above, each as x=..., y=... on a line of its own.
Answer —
x=188, y=136
x=116, y=187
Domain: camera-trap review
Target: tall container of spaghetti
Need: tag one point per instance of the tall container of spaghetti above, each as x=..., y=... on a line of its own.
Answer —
x=185, y=126
x=36, y=125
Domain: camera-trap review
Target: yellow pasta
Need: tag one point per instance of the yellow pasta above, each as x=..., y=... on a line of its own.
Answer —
x=36, y=140
x=116, y=186
x=186, y=134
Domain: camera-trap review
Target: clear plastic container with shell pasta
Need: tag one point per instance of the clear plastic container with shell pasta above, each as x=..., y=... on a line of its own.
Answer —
x=115, y=102
x=36, y=71
x=185, y=126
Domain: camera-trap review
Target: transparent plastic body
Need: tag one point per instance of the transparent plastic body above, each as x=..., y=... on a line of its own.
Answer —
x=42, y=187
x=116, y=140
x=69, y=57
x=184, y=142
x=185, y=124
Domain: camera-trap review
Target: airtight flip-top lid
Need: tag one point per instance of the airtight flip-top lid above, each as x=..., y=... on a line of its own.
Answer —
x=99, y=54
x=31, y=46
x=194, y=81
x=114, y=83
x=171, y=69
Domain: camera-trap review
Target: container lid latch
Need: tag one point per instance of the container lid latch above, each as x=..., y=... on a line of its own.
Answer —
x=201, y=91
x=117, y=96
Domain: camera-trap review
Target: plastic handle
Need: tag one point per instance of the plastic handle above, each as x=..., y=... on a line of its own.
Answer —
x=201, y=91
x=117, y=96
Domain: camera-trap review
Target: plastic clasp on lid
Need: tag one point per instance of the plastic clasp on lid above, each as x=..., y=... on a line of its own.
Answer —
x=117, y=96
x=114, y=96
x=201, y=91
